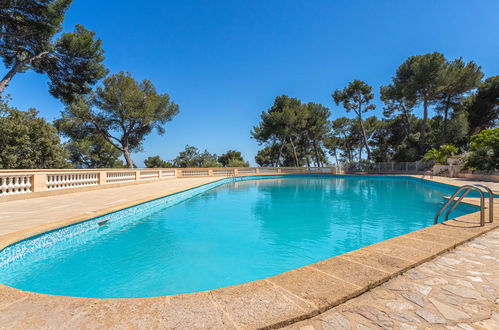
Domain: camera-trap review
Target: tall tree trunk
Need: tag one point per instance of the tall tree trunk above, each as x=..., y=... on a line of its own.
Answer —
x=336, y=157
x=348, y=147
x=128, y=158
x=317, y=156
x=8, y=77
x=280, y=154
x=407, y=123
x=422, y=134
x=446, y=114
x=364, y=137
x=15, y=69
x=294, y=152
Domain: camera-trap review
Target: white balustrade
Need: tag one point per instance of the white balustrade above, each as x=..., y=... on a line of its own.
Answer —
x=223, y=172
x=15, y=184
x=168, y=173
x=195, y=172
x=35, y=181
x=268, y=170
x=149, y=175
x=294, y=170
x=71, y=180
x=120, y=177
x=246, y=170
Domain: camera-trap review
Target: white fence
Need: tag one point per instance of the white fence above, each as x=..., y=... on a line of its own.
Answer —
x=16, y=182
x=388, y=167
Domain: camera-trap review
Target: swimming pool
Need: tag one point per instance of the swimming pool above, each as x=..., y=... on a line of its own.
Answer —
x=224, y=233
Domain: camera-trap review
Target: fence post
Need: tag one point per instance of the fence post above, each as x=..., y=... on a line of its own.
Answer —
x=406, y=167
x=393, y=167
x=102, y=178
x=39, y=182
x=210, y=172
x=137, y=175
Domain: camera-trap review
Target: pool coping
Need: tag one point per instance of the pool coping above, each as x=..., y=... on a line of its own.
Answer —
x=268, y=303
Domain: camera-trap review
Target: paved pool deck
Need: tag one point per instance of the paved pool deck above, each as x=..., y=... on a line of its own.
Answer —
x=305, y=294
x=458, y=290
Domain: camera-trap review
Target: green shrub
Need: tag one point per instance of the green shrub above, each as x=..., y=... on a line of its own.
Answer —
x=484, y=150
x=441, y=154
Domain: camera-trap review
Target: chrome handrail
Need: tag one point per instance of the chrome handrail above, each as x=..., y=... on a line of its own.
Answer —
x=491, y=201
x=457, y=203
x=451, y=200
x=482, y=204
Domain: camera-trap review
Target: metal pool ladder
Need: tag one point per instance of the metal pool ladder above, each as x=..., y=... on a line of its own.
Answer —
x=467, y=189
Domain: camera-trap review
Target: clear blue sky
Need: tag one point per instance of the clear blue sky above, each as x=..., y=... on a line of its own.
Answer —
x=224, y=62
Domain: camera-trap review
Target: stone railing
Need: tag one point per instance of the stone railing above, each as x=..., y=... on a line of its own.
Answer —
x=42, y=182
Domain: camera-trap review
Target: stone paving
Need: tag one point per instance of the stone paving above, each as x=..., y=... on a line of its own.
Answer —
x=458, y=290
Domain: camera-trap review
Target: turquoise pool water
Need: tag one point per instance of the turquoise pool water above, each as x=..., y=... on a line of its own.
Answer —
x=221, y=234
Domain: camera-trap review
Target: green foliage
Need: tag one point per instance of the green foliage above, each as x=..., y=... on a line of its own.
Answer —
x=93, y=152
x=357, y=96
x=397, y=103
x=455, y=79
x=156, y=162
x=483, y=106
x=419, y=80
x=232, y=158
x=28, y=141
x=28, y=28
x=75, y=65
x=454, y=132
x=122, y=112
x=484, y=150
x=441, y=154
x=298, y=129
x=268, y=156
x=191, y=157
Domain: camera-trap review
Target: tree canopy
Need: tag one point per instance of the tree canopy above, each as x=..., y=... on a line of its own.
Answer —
x=357, y=97
x=419, y=79
x=483, y=106
x=191, y=157
x=28, y=31
x=29, y=141
x=122, y=111
x=297, y=129
x=232, y=158
x=156, y=162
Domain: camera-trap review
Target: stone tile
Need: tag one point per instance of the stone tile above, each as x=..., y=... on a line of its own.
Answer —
x=319, y=288
x=335, y=321
x=407, y=241
x=372, y=314
x=401, y=252
x=258, y=304
x=350, y=271
x=462, y=292
x=430, y=317
x=450, y=313
x=448, y=242
x=414, y=297
x=379, y=261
